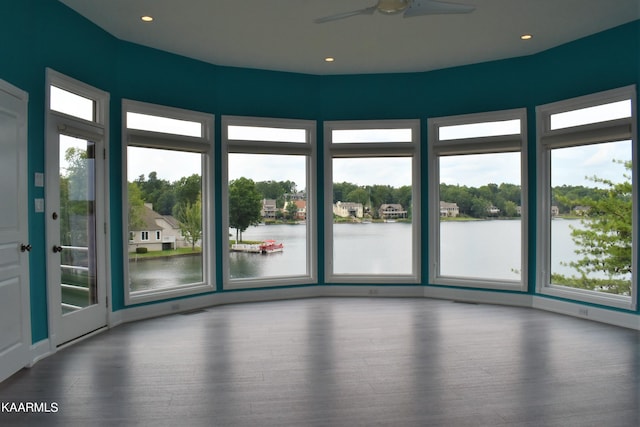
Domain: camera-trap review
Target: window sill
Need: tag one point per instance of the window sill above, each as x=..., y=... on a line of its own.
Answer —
x=479, y=283
x=156, y=295
x=592, y=297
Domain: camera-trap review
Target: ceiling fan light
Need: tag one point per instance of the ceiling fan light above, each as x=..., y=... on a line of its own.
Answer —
x=392, y=6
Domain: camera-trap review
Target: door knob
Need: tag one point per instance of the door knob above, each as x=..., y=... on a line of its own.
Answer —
x=25, y=248
x=57, y=249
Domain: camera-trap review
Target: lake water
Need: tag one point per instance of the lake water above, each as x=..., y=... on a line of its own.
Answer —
x=485, y=249
x=375, y=248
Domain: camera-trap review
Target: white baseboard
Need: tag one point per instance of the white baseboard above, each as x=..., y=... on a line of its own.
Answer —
x=39, y=351
x=612, y=317
x=396, y=291
x=478, y=296
x=210, y=300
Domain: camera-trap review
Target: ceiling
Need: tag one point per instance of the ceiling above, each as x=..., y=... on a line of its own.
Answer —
x=281, y=35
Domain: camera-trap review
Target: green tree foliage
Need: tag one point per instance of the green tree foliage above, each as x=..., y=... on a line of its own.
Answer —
x=75, y=203
x=136, y=206
x=292, y=210
x=403, y=196
x=163, y=195
x=77, y=173
x=276, y=190
x=381, y=194
x=480, y=207
x=507, y=197
x=372, y=196
x=245, y=203
x=605, y=241
x=359, y=195
x=341, y=190
x=187, y=189
x=566, y=197
x=154, y=190
x=189, y=215
x=461, y=195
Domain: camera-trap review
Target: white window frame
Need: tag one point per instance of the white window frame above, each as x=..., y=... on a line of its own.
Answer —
x=202, y=145
x=373, y=149
x=144, y=236
x=593, y=133
x=477, y=145
x=253, y=146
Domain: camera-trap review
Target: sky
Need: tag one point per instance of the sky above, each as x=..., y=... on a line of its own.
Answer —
x=570, y=166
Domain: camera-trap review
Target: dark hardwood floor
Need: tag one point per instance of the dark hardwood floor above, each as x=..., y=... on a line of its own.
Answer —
x=341, y=362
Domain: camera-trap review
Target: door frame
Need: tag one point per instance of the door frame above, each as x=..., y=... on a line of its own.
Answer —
x=57, y=123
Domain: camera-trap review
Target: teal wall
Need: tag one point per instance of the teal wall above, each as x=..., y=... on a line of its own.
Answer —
x=45, y=33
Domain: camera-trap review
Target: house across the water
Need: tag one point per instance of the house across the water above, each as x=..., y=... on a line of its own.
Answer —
x=157, y=232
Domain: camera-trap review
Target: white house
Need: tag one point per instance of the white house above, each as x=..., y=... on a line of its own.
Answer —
x=392, y=211
x=449, y=209
x=347, y=209
x=268, y=208
x=158, y=232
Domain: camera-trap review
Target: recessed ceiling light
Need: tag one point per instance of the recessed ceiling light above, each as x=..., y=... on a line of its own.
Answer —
x=329, y=59
x=146, y=18
x=526, y=37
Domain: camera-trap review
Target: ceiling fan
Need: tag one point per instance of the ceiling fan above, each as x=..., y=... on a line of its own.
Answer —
x=409, y=7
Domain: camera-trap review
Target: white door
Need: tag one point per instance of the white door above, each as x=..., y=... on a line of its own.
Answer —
x=75, y=213
x=15, y=324
x=75, y=239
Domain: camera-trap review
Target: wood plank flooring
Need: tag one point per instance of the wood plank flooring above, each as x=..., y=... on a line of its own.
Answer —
x=341, y=362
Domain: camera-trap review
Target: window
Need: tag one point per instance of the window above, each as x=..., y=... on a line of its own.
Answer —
x=72, y=104
x=269, y=171
x=168, y=170
x=587, y=198
x=477, y=200
x=372, y=201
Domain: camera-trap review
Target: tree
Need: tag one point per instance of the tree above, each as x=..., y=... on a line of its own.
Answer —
x=153, y=190
x=605, y=242
x=341, y=189
x=136, y=206
x=276, y=190
x=359, y=195
x=292, y=210
x=381, y=194
x=404, y=197
x=189, y=215
x=187, y=189
x=270, y=189
x=75, y=202
x=480, y=207
x=245, y=203
x=509, y=209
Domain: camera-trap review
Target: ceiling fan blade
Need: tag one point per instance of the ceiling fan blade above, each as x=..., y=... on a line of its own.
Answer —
x=433, y=7
x=367, y=11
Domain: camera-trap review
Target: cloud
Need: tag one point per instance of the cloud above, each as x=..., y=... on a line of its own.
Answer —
x=477, y=170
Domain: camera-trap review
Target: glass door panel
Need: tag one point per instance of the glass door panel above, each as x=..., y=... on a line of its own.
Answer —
x=77, y=224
